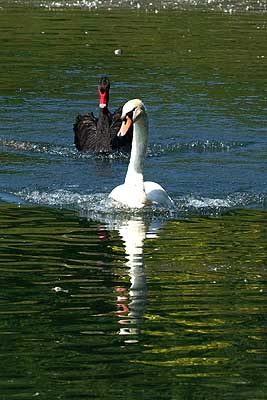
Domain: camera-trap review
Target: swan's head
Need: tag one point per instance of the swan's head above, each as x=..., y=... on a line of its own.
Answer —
x=103, y=91
x=131, y=112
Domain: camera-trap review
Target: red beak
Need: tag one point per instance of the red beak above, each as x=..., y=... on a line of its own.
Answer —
x=103, y=99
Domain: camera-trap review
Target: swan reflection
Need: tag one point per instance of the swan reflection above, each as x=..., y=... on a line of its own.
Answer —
x=131, y=303
x=131, y=308
x=133, y=234
x=133, y=230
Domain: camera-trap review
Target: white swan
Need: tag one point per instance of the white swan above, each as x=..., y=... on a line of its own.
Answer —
x=135, y=193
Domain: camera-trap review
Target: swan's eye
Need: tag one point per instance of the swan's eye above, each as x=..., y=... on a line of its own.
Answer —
x=130, y=114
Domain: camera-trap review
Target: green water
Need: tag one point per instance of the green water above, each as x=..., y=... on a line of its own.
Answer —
x=73, y=327
x=101, y=304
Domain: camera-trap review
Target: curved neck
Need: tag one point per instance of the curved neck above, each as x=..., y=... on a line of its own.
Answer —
x=102, y=138
x=104, y=118
x=134, y=176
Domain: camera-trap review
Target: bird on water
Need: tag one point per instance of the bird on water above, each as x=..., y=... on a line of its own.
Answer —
x=135, y=192
x=100, y=135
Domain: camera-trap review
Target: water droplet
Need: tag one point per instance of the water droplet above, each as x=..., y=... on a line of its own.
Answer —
x=59, y=289
x=118, y=52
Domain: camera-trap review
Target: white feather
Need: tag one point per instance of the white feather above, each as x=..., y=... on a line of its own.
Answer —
x=135, y=193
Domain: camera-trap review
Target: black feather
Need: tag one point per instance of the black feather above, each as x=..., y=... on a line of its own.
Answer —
x=99, y=135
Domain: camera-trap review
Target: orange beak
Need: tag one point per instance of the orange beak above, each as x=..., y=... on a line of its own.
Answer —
x=125, y=126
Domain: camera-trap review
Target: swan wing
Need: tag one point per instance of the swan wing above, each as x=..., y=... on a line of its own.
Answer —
x=117, y=193
x=156, y=194
x=85, y=131
x=130, y=197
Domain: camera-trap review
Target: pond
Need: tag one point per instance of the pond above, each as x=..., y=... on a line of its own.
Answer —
x=102, y=302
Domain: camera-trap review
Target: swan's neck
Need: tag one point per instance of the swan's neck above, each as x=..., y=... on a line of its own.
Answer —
x=102, y=137
x=134, y=176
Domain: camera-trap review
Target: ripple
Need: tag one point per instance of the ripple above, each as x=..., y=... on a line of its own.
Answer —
x=100, y=206
x=226, y=6
x=37, y=147
x=206, y=206
x=195, y=146
x=154, y=150
x=55, y=150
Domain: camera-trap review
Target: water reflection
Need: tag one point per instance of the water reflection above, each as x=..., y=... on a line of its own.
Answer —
x=133, y=233
x=131, y=303
x=193, y=304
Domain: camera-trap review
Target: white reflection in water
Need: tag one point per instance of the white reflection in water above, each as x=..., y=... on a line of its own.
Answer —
x=132, y=303
x=133, y=234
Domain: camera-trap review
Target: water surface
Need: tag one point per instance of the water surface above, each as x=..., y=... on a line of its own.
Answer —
x=98, y=302
x=141, y=309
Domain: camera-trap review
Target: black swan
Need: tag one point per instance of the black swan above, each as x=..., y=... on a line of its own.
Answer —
x=99, y=135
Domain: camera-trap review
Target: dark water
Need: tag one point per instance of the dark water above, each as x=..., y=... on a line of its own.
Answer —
x=101, y=303
x=91, y=312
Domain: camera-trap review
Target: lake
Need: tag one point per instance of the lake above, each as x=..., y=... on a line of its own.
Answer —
x=99, y=302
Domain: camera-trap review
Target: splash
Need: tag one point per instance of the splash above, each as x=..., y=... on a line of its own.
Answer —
x=227, y=6
x=37, y=147
x=206, y=206
x=154, y=150
x=59, y=151
x=98, y=206
x=57, y=198
x=195, y=146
